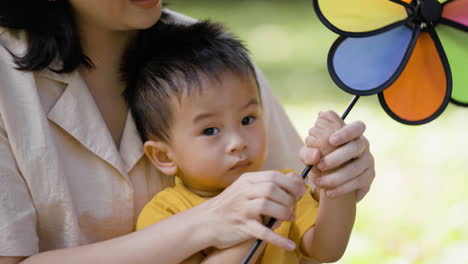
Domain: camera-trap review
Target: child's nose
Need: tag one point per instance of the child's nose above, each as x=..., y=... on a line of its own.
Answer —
x=237, y=143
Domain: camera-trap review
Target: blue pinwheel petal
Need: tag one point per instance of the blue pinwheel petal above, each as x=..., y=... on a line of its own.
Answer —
x=368, y=65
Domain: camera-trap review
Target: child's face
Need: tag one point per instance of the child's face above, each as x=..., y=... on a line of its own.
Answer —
x=218, y=134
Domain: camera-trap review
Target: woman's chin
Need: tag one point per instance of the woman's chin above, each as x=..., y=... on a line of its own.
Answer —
x=145, y=18
x=145, y=4
x=146, y=22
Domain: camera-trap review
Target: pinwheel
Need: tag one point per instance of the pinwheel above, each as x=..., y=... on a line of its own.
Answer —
x=413, y=54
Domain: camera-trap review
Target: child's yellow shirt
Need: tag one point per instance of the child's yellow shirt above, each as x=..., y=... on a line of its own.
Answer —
x=176, y=199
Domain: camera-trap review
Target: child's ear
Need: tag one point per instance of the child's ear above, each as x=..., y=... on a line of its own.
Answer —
x=161, y=156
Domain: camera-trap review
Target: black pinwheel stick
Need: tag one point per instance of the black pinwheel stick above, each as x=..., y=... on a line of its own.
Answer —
x=304, y=173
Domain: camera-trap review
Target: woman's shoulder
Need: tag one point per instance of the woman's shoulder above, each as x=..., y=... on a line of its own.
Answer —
x=12, y=43
x=12, y=81
x=173, y=17
x=13, y=40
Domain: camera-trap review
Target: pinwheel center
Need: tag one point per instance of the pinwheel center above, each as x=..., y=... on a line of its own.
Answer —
x=429, y=11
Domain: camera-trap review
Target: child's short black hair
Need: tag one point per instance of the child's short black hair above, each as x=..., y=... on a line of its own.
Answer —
x=168, y=61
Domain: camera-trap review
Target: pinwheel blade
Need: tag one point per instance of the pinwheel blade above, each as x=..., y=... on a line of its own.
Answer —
x=366, y=66
x=455, y=13
x=354, y=18
x=455, y=44
x=423, y=90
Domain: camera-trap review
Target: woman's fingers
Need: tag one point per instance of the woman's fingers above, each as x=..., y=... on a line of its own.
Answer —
x=347, y=133
x=264, y=233
x=269, y=208
x=240, y=209
x=345, y=173
x=276, y=225
x=357, y=175
x=291, y=183
x=274, y=193
x=344, y=154
x=346, y=165
x=361, y=184
x=361, y=193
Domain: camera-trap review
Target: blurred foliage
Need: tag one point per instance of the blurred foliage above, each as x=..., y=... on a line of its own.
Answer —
x=417, y=210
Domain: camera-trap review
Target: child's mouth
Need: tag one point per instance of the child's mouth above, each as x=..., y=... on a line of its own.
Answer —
x=241, y=165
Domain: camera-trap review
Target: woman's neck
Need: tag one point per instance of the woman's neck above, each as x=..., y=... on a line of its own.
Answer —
x=104, y=47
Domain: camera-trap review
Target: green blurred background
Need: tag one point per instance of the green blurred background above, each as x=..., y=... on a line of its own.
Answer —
x=417, y=209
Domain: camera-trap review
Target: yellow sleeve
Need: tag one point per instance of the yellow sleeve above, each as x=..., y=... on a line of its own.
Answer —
x=163, y=205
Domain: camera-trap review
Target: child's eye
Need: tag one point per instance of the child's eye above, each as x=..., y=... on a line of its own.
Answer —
x=248, y=120
x=211, y=131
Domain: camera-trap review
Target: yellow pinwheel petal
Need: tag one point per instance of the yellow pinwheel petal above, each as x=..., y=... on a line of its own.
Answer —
x=359, y=16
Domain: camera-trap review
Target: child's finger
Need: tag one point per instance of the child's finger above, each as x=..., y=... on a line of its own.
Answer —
x=309, y=156
x=311, y=141
x=314, y=174
x=330, y=117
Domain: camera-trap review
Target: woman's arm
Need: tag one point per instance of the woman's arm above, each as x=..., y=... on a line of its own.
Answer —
x=153, y=244
x=10, y=260
x=233, y=255
x=211, y=224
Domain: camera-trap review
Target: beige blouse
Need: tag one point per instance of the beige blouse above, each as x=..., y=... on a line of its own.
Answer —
x=63, y=181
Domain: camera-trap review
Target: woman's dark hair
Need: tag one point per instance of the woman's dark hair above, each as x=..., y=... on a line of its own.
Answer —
x=51, y=31
x=52, y=34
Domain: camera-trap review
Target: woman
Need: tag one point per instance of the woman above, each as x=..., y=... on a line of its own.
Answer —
x=72, y=172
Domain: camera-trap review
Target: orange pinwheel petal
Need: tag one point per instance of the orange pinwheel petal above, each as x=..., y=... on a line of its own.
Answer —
x=423, y=90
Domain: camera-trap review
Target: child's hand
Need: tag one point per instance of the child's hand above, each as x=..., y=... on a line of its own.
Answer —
x=327, y=123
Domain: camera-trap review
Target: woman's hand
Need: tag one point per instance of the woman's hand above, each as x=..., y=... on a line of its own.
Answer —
x=349, y=168
x=236, y=214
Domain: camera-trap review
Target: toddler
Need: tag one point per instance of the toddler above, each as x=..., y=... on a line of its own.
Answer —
x=196, y=104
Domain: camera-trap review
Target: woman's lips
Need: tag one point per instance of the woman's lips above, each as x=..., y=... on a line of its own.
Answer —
x=145, y=3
